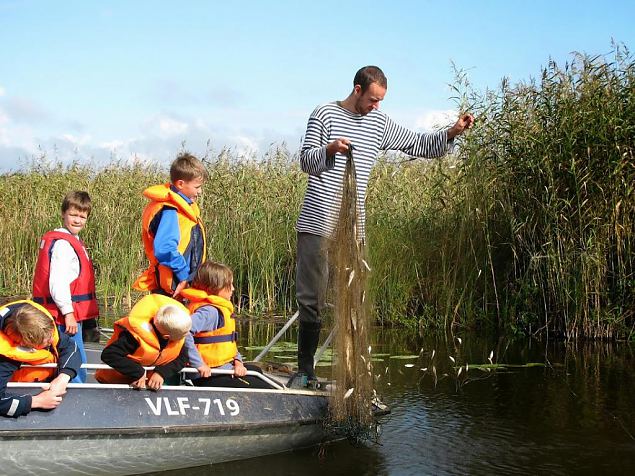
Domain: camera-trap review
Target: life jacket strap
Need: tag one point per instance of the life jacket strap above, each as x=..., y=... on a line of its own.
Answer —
x=233, y=337
x=74, y=298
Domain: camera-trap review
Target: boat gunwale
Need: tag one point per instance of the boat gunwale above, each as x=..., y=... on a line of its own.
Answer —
x=172, y=388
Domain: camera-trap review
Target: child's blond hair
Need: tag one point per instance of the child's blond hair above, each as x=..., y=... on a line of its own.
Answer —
x=29, y=326
x=79, y=200
x=187, y=167
x=212, y=277
x=175, y=321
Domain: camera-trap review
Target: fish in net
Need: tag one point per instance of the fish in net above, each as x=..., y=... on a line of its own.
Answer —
x=352, y=402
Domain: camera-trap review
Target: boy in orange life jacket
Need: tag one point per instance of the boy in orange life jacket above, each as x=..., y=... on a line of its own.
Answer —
x=172, y=230
x=213, y=336
x=28, y=335
x=64, y=279
x=151, y=335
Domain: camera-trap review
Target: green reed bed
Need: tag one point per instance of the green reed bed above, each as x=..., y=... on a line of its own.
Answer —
x=249, y=208
x=552, y=161
x=529, y=227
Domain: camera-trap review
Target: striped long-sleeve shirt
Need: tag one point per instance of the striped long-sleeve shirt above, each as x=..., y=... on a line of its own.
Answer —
x=369, y=134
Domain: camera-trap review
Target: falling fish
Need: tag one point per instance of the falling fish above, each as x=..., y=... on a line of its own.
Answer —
x=348, y=393
x=350, y=278
x=459, y=339
x=409, y=365
x=366, y=264
x=459, y=372
x=451, y=358
x=433, y=352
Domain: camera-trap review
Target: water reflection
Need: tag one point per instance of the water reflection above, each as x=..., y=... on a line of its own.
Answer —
x=572, y=413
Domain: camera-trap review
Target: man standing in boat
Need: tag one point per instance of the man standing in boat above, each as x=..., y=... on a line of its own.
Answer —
x=331, y=131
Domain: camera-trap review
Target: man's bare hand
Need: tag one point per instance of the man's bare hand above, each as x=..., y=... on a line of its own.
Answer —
x=465, y=121
x=338, y=146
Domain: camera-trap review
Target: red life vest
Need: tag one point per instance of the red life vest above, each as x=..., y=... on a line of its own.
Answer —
x=83, y=294
x=157, y=276
x=217, y=347
x=12, y=350
x=139, y=324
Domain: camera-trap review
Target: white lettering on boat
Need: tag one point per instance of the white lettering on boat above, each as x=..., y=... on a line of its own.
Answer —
x=162, y=405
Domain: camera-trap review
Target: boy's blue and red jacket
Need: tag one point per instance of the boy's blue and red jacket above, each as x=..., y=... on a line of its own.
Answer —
x=173, y=238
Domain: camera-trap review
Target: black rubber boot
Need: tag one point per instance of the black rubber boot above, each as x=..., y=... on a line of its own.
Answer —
x=308, y=338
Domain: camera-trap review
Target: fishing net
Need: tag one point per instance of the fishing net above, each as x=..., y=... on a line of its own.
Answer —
x=351, y=406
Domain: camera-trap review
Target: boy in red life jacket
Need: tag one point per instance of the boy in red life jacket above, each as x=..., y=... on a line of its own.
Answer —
x=28, y=336
x=151, y=335
x=212, y=339
x=64, y=278
x=172, y=230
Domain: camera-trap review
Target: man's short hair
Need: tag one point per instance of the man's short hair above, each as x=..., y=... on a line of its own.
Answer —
x=369, y=75
x=174, y=320
x=29, y=326
x=212, y=277
x=79, y=200
x=187, y=167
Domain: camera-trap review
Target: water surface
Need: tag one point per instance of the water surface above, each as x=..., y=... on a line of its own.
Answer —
x=571, y=413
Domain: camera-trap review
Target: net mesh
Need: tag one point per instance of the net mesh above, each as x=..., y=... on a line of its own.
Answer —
x=351, y=406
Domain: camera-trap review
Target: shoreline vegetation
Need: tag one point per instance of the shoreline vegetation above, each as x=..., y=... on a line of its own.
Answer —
x=529, y=228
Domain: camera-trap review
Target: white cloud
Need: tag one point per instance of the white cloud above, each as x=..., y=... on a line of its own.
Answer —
x=84, y=139
x=165, y=126
x=171, y=127
x=435, y=120
x=157, y=140
x=25, y=110
x=2, y=91
x=113, y=145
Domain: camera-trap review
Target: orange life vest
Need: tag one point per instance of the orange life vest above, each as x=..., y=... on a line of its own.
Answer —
x=12, y=350
x=217, y=347
x=82, y=288
x=139, y=324
x=157, y=276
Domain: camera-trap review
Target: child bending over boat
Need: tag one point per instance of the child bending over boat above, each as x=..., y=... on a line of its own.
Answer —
x=28, y=335
x=172, y=230
x=151, y=335
x=64, y=279
x=212, y=339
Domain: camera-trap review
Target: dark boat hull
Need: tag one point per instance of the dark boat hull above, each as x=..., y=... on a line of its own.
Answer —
x=117, y=430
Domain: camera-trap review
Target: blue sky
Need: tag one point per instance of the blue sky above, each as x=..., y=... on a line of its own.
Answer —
x=103, y=80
